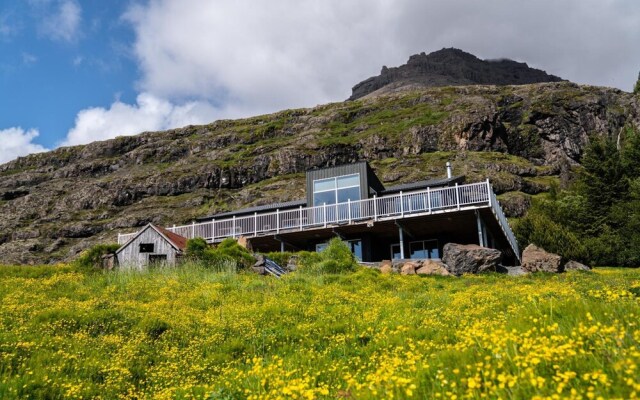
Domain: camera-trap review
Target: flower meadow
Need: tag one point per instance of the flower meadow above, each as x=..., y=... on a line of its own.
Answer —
x=192, y=333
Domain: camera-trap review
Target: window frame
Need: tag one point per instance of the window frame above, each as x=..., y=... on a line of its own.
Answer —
x=426, y=249
x=146, y=249
x=336, y=188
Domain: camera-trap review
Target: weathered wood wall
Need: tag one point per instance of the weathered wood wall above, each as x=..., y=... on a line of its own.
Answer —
x=131, y=258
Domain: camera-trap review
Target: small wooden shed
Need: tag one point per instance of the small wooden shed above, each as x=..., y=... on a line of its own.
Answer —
x=151, y=246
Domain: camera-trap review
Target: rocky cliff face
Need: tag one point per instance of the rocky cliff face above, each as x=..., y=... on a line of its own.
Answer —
x=450, y=67
x=53, y=205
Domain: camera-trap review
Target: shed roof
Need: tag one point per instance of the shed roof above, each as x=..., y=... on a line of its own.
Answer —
x=177, y=241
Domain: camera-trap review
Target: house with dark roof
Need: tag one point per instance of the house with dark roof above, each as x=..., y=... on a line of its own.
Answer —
x=151, y=246
x=409, y=221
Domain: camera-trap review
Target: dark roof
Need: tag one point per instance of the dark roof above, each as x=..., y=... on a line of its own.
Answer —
x=423, y=184
x=264, y=207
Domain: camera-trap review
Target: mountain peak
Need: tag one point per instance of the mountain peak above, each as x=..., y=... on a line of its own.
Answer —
x=450, y=67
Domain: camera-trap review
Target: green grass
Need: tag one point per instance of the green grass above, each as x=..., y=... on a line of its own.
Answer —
x=190, y=332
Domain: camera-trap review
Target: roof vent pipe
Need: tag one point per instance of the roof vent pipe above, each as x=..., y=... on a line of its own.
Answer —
x=448, y=170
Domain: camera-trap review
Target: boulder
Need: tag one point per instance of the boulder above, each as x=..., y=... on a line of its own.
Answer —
x=470, y=258
x=259, y=266
x=536, y=259
x=576, y=266
x=515, y=271
x=431, y=267
x=242, y=241
x=386, y=267
x=409, y=268
x=259, y=270
x=292, y=264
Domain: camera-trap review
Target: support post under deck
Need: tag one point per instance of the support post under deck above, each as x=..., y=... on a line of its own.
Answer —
x=401, y=234
x=480, y=230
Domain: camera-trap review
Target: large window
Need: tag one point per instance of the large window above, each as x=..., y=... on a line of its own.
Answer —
x=424, y=249
x=336, y=190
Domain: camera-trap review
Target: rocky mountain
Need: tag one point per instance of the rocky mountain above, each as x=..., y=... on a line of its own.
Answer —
x=450, y=67
x=524, y=138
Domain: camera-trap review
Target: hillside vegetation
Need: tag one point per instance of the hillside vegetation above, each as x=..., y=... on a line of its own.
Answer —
x=595, y=218
x=191, y=333
x=524, y=138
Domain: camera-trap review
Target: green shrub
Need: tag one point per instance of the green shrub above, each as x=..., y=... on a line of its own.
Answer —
x=230, y=248
x=197, y=248
x=335, y=258
x=339, y=251
x=92, y=258
x=228, y=251
x=537, y=228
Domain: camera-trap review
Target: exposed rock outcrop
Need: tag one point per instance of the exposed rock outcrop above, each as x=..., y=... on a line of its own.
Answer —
x=55, y=204
x=536, y=259
x=470, y=258
x=450, y=67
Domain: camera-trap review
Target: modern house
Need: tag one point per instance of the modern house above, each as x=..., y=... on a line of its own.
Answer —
x=407, y=221
x=150, y=246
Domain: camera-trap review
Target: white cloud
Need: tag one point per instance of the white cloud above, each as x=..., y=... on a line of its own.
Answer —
x=261, y=56
x=63, y=22
x=17, y=142
x=7, y=30
x=202, y=60
x=148, y=114
x=264, y=56
x=28, y=58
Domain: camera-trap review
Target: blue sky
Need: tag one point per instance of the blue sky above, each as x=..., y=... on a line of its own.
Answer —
x=52, y=67
x=74, y=71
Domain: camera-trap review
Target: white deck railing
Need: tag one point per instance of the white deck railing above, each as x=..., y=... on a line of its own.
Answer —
x=424, y=202
x=504, y=224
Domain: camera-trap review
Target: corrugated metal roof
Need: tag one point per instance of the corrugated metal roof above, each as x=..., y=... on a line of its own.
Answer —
x=179, y=241
x=264, y=207
x=423, y=184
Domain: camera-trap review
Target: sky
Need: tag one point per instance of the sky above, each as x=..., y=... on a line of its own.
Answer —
x=73, y=72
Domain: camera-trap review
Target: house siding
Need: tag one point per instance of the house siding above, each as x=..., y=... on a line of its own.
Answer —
x=129, y=257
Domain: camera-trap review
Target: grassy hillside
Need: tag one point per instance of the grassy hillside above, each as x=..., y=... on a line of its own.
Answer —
x=53, y=205
x=192, y=333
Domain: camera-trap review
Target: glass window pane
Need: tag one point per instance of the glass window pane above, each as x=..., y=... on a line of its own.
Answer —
x=324, y=197
x=395, y=251
x=432, y=248
x=349, y=180
x=356, y=248
x=434, y=253
x=324, y=184
x=348, y=194
x=321, y=246
x=417, y=250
